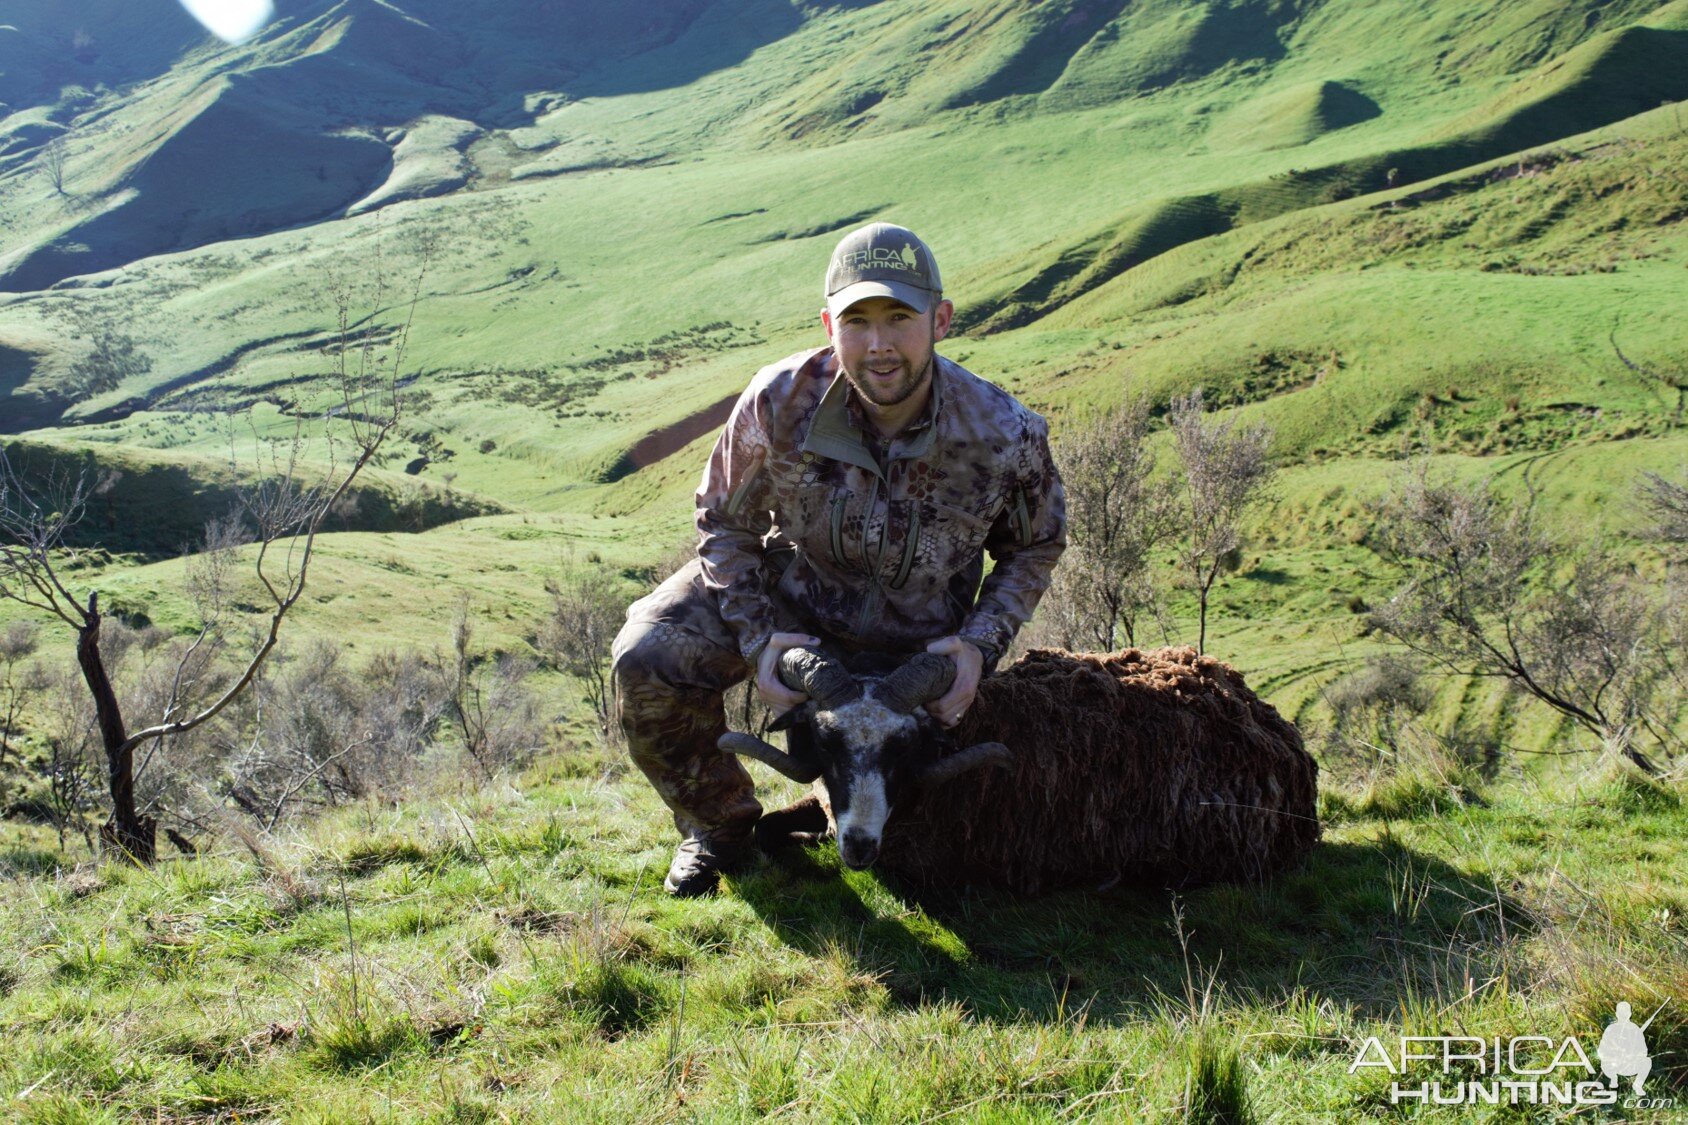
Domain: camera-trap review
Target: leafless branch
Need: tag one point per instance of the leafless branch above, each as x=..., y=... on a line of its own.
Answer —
x=1119, y=513
x=1490, y=593
x=1226, y=470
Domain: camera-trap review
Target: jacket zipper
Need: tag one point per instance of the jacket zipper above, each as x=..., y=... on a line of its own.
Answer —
x=874, y=593
x=884, y=526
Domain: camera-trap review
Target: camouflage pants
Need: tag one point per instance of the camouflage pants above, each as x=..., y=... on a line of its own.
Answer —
x=672, y=662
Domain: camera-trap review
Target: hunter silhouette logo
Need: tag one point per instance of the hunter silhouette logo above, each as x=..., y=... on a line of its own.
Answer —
x=883, y=257
x=1518, y=1070
x=1623, y=1049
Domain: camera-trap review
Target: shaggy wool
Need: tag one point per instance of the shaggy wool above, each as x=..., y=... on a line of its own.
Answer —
x=1157, y=767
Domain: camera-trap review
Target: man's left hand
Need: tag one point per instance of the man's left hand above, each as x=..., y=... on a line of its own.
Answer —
x=969, y=663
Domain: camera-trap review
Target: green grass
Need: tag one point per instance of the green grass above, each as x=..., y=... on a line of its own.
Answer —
x=1375, y=228
x=546, y=974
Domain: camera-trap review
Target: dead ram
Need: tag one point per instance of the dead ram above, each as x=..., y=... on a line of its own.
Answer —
x=1148, y=767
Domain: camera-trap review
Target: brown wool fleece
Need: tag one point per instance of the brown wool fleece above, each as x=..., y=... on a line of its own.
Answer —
x=1157, y=768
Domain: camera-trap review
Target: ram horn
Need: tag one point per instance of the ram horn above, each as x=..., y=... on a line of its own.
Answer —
x=819, y=677
x=965, y=761
x=921, y=679
x=737, y=742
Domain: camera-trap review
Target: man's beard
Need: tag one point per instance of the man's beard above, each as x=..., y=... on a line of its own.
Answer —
x=898, y=393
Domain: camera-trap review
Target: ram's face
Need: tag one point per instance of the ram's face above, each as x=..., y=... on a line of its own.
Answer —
x=869, y=755
x=870, y=741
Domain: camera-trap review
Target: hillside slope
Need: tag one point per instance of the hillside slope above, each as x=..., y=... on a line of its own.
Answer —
x=1362, y=224
x=168, y=143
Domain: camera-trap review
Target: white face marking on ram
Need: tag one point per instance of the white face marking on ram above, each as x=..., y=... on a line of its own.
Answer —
x=863, y=823
x=866, y=725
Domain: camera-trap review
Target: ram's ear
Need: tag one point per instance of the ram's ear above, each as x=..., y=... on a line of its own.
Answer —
x=790, y=718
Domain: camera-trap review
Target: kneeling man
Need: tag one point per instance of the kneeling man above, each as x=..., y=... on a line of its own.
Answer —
x=851, y=499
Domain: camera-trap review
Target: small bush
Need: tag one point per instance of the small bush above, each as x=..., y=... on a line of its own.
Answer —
x=1215, y=1084
x=372, y=854
x=358, y=1041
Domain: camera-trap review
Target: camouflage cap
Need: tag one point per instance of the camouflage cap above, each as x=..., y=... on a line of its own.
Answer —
x=882, y=260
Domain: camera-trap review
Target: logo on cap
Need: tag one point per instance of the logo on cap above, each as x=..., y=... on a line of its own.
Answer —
x=881, y=257
x=882, y=260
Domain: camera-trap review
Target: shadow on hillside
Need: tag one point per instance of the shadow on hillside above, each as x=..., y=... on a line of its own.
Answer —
x=1359, y=924
x=289, y=137
x=154, y=510
x=698, y=41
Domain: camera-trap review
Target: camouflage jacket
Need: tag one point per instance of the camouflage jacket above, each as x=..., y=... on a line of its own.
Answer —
x=879, y=545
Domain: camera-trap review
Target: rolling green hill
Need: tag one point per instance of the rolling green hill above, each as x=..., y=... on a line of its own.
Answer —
x=1378, y=228
x=1358, y=224
x=1352, y=221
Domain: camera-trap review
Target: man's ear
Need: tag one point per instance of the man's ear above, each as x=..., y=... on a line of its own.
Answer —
x=826, y=323
x=943, y=314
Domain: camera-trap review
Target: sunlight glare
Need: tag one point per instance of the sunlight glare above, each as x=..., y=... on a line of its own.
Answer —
x=232, y=21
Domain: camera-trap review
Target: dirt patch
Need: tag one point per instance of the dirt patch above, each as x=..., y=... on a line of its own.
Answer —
x=669, y=440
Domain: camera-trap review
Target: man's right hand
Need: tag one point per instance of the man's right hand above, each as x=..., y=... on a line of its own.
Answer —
x=768, y=684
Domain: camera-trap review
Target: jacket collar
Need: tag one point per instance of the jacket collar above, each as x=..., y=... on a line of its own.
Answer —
x=835, y=433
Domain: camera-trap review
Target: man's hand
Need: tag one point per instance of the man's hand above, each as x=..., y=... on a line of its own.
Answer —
x=768, y=685
x=969, y=663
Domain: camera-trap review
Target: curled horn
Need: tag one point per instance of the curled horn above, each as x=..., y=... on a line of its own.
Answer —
x=921, y=679
x=737, y=742
x=964, y=761
x=819, y=677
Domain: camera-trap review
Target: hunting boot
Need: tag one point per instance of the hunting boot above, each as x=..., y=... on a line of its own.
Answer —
x=698, y=864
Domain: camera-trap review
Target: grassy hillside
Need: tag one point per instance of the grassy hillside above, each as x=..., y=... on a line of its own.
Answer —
x=1475, y=312
x=501, y=955
x=1369, y=228
x=1452, y=229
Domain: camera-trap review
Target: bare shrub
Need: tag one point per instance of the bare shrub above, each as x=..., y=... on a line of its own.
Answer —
x=1490, y=593
x=53, y=163
x=318, y=732
x=1664, y=504
x=72, y=759
x=1118, y=514
x=1666, y=501
x=20, y=684
x=1226, y=470
x=1372, y=706
x=283, y=516
x=495, y=714
x=587, y=609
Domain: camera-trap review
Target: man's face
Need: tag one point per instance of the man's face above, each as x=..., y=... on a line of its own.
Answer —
x=885, y=348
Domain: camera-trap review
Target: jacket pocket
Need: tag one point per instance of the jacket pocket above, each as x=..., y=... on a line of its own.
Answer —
x=735, y=502
x=954, y=539
x=1020, y=518
x=911, y=548
x=835, y=527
